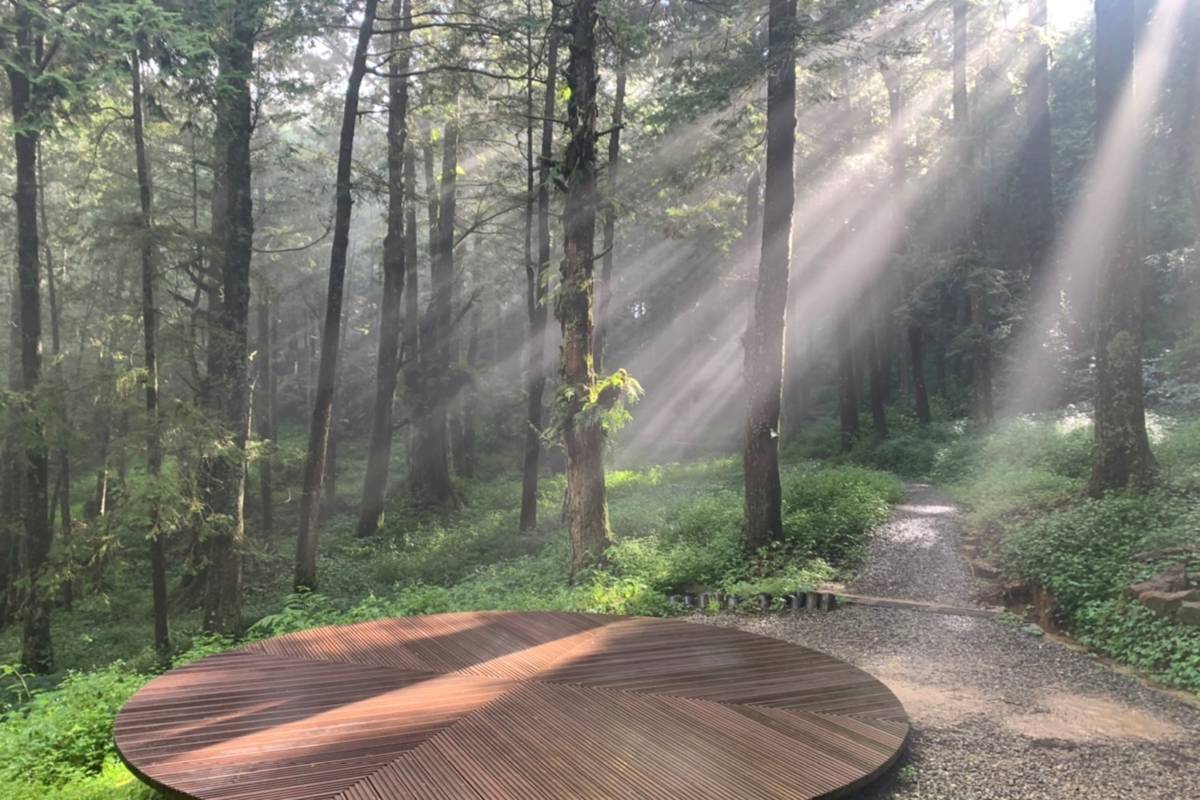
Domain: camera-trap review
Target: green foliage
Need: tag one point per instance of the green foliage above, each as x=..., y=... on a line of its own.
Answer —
x=112, y=782
x=778, y=580
x=1134, y=635
x=1022, y=484
x=63, y=735
x=1084, y=553
x=612, y=595
x=828, y=512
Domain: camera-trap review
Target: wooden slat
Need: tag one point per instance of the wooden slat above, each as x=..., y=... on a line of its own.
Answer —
x=502, y=705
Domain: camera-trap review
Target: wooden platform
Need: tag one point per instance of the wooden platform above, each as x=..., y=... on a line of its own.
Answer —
x=513, y=706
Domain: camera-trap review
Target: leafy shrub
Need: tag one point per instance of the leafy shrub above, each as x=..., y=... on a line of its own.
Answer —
x=112, y=782
x=300, y=612
x=64, y=734
x=1084, y=554
x=829, y=512
x=1131, y=633
x=782, y=580
x=910, y=454
x=611, y=595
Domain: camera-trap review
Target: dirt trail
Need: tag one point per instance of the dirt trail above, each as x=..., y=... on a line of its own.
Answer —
x=998, y=713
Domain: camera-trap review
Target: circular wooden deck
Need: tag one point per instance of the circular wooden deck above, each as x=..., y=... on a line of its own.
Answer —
x=505, y=705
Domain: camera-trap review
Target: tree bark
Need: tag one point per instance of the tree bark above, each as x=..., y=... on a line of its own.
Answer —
x=470, y=396
x=36, y=651
x=586, y=506
x=605, y=289
x=764, y=337
x=61, y=497
x=158, y=562
x=322, y=416
x=848, y=399
x=536, y=283
x=265, y=410
x=1037, y=186
x=969, y=258
x=412, y=277
x=379, y=452
x=1121, y=456
x=429, y=475
x=877, y=378
x=228, y=384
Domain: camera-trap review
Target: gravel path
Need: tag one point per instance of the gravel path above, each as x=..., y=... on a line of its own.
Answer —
x=997, y=712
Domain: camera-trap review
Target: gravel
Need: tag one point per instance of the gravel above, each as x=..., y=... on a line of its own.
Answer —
x=997, y=712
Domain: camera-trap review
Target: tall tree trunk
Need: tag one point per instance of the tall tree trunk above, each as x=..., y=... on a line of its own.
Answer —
x=912, y=360
x=470, y=397
x=536, y=288
x=158, y=561
x=586, y=506
x=412, y=299
x=229, y=384
x=265, y=410
x=11, y=470
x=978, y=317
x=1191, y=46
x=429, y=475
x=848, y=399
x=877, y=377
x=36, y=652
x=764, y=337
x=322, y=416
x=1037, y=186
x=429, y=470
x=605, y=291
x=1121, y=456
x=62, y=493
x=387, y=365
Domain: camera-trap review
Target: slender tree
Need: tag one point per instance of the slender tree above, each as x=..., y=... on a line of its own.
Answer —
x=1037, y=186
x=604, y=292
x=764, y=337
x=876, y=369
x=848, y=389
x=60, y=497
x=25, y=65
x=978, y=316
x=322, y=416
x=537, y=288
x=914, y=333
x=265, y=409
x=586, y=506
x=412, y=277
x=1121, y=456
x=379, y=451
x=154, y=456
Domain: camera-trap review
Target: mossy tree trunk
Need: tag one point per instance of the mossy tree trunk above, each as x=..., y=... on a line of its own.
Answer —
x=1121, y=455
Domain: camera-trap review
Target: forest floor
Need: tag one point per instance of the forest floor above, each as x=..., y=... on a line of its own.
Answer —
x=997, y=711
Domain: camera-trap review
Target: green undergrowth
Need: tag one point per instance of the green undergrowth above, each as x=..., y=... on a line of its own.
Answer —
x=1023, y=486
x=676, y=527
